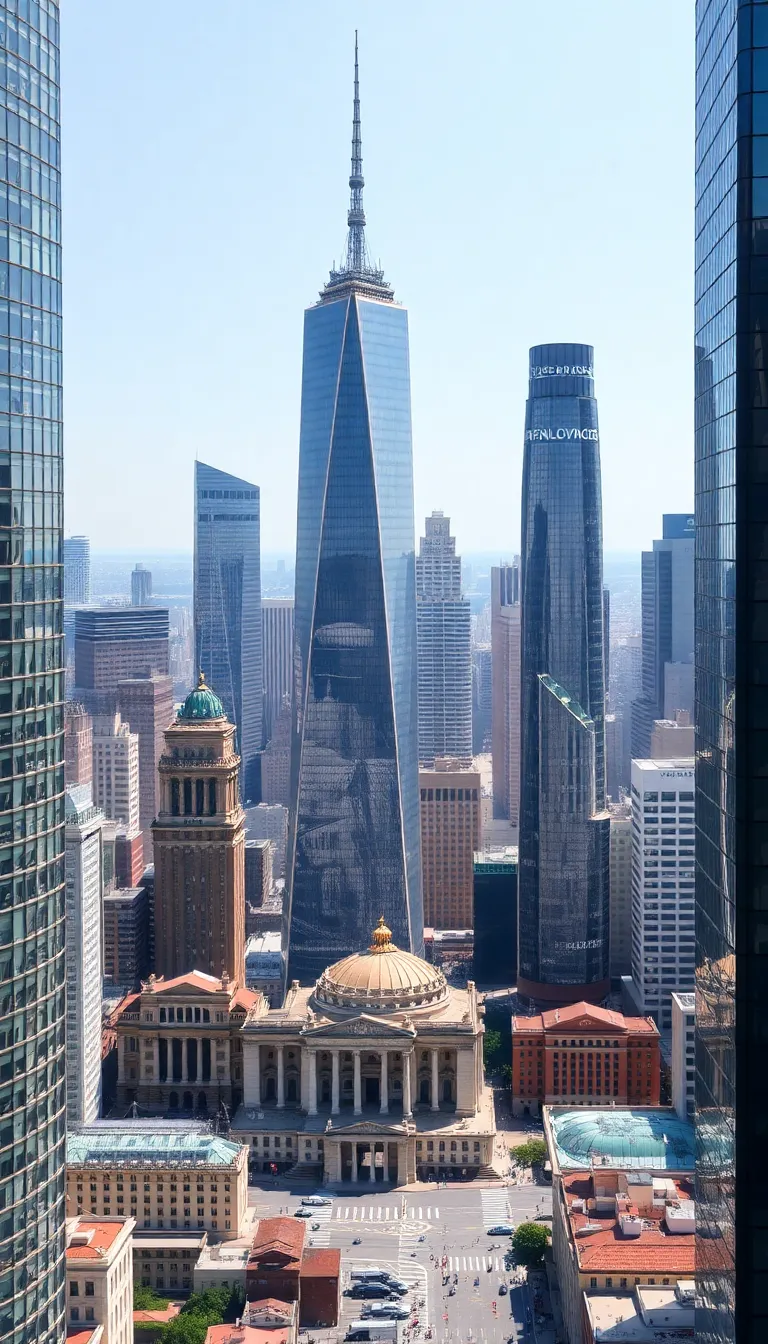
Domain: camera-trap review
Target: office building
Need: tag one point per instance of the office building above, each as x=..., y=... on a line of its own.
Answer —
x=667, y=630
x=265, y=967
x=78, y=744
x=32, y=898
x=146, y=703
x=662, y=885
x=444, y=644
x=684, y=1054
x=615, y=754
x=269, y=821
x=129, y=858
x=450, y=835
x=77, y=571
x=125, y=913
x=116, y=771
x=83, y=876
x=228, y=635
x=584, y=1056
x=482, y=697
x=355, y=848
x=563, y=952
x=671, y=738
x=130, y=1168
x=276, y=760
x=621, y=889
x=141, y=586
x=100, y=1279
x=277, y=639
x=199, y=845
x=283, y=1267
x=179, y=1044
x=505, y=690
x=114, y=643
x=258, y=871
x=495, y=916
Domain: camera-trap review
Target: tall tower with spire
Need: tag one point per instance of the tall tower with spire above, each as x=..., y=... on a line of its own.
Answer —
x=354, y=847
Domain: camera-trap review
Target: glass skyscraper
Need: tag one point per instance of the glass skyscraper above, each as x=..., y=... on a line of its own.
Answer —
x=32, y=969
x=563, y=901
x=354, y=850
x=227, y=602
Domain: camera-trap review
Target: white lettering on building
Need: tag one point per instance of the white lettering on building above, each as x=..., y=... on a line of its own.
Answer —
x=561, y=370
x=548, y=435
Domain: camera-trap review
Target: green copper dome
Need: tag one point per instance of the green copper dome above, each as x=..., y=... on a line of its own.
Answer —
x=202, y=703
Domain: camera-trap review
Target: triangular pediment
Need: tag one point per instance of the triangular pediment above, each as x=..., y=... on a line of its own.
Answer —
x=583, y=1017
x=371, y=1028
x=368, y=1128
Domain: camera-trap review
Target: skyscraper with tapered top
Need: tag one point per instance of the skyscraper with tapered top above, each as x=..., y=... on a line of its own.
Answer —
x=354, y=850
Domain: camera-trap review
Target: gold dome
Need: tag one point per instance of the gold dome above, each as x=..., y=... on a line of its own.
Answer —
x=383, y=979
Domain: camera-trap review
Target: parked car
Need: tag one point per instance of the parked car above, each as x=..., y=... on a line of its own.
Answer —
x=380, y=1290
x=386, y=1311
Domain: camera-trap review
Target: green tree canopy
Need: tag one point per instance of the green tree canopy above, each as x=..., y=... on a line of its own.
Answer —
x=492, y=1048
x=530, y=1154
x=147, y=1299
x=530, y=1242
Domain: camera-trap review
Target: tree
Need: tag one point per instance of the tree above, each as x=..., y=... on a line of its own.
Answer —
x=530, y=1154
x=530, y=1242
x=492, y=1048
x=147, y=1299
x=187, y=1329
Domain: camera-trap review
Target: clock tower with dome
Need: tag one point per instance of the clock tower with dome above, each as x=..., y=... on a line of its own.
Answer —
x=199, y=845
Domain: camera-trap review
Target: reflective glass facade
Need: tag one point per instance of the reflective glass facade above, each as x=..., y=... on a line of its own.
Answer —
x=354, y=850
x=227, y=598
x=563, y=943
x=32, y=971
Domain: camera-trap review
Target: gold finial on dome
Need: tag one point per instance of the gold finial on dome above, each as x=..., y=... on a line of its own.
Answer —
x=382, y=938
x=200, y=679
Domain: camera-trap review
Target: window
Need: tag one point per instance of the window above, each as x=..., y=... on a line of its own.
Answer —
x=89, y=1290
x=74, y=1289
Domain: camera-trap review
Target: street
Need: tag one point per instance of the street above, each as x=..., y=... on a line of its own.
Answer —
x=453, y=1224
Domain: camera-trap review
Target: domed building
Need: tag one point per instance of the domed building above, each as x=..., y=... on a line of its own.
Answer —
x=375, y=1074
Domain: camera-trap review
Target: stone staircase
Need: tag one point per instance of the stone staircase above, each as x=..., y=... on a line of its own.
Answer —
x=304, y=1173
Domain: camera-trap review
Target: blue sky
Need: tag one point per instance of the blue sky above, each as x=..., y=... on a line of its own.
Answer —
x=529, y=178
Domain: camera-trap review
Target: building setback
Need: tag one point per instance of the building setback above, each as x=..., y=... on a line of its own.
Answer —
x=227, y=602
x=444, y=641
x=505, y=690
x=563, y=951
x=199, y=845
x=354, y=850
x=450, y=834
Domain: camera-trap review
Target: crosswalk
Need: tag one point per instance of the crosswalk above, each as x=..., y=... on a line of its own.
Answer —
x=495, y=1208
x=474, y=1263
x=380, y=1213
x=321, y=1237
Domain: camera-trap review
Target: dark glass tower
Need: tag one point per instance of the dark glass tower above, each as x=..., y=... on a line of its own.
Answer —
x=564, y=828
x=227, y=600
x=354, y=850
x=32, y=968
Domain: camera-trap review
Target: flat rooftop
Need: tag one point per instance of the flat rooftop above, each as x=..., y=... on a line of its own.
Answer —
x=603, y=1246
x=113, y=1145
x=647, y=1316
x=622, y=1138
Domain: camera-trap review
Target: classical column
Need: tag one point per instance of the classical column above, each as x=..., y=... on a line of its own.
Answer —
x=280, y=1078
x=334, y=1082
x=358, y=1110
x=190, y=1079
x=402, y=1163
x=435, y=1082
x=354, y=1161
x=384, y=1085
x=407, y=1107
x=372, y=1173
x=200, y=1059
x=312, y=1083
x=156, y=1060
x=256, y=1083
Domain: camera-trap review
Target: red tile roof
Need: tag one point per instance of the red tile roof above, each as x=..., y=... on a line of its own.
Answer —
x=245, y=999
x=284, y=1235
x=585, y=1017
x=80, y=1334
x=246, y=1334
x=157, y=1317
x=321, y=1262
x=272, y=1304
x=194, y=979
x=609, y=1251
x=104, y=1235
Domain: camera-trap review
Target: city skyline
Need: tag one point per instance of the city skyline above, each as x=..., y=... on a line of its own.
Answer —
x=295, y=113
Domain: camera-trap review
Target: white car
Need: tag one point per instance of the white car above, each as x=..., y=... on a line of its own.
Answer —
x=316, y=1201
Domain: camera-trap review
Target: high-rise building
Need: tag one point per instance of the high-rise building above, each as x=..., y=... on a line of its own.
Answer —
x=126, y=936
x=662, y=885
x=228, y=634
x=114, y=643
x=146, y=703
x=672, y=738
x=276, y=760
x=614, y=754
x=78, y=744
x=116, y=770
x=564, y=828
x=269, y=821
x=505, y=691
x=482, y=697
x=354, y=851
x=199, y=843
x=450, y=835
x=83, y=870
x=32, y=896
x=277, y=639
x=77, y=571
x=141, y=586
x=444, y=643
x=495, y=916
x=621, y=889
x=258, y=871
x=683, y=1062
x=667, y=630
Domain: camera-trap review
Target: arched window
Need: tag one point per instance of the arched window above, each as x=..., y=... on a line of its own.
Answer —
x=175, y=798
x=187, y=797
x=199, y=797
x=212, y=797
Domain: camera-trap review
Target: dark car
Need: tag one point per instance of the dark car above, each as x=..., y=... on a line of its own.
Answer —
x=370, y=1290
x=501, y=1230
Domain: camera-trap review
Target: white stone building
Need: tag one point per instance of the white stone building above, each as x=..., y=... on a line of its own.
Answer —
x=116, y=770
x=374, y=1074
x=100, y=1277
x=684, y=1054
x=83, y=874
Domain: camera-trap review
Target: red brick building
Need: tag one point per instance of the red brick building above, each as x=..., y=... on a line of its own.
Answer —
x=584, y=1056
x=280, y=1266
